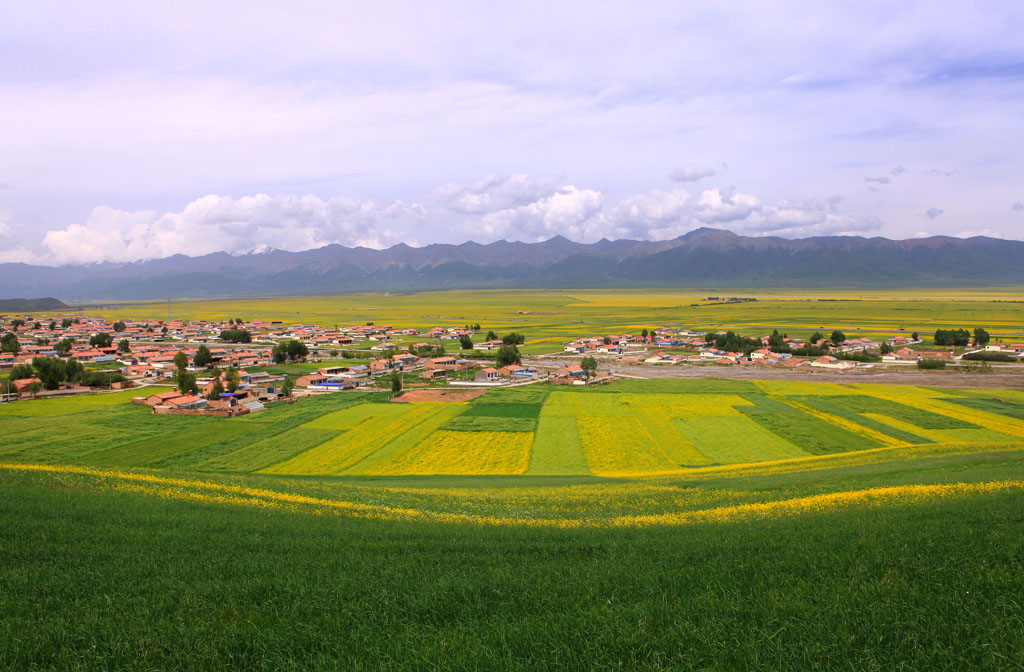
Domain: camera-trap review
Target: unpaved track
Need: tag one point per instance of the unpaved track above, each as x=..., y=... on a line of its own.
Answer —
x=1001, y=381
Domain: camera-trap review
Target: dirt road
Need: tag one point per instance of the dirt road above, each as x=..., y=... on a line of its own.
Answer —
x=888, y=376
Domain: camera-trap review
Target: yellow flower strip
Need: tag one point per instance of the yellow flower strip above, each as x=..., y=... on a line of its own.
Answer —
x=183, y=489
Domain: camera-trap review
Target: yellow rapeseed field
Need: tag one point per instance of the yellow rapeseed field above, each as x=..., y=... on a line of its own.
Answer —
x=447, y=452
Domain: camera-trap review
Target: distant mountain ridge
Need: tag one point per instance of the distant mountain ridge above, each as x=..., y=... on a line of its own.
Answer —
x=701, y=258
x=32, y=305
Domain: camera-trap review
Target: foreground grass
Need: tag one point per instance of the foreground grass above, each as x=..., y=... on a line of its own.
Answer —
x=101, y=579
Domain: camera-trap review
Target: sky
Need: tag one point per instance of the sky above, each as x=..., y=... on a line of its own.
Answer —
x=136, y=130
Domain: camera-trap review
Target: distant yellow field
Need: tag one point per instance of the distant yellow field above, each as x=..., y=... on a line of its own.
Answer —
x=548, y=317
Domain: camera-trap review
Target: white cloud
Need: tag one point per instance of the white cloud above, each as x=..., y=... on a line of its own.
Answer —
x=494, y=192
x=220, y=223
x=565, y=212
x=690, y=174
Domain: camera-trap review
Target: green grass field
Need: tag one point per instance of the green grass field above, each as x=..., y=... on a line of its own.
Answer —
x=626, y=429
x=669, y=524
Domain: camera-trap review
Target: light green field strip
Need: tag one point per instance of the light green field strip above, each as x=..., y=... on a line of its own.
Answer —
x=39, y=408
x=670, y=440
x=736, y=440
x=268, y=451
x=377, y=461
x=347, y=418
x=556, y=448
x=150, y=451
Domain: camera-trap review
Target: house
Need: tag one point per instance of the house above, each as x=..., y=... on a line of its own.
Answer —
x=311, y=379
x=826, y=362
x=574, y=371
x=487, y=375
x=22, y=385
x=159, y=399
x=488, y=345
x=186, y=402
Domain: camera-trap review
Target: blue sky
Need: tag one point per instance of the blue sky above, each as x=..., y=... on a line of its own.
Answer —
x=131, y=131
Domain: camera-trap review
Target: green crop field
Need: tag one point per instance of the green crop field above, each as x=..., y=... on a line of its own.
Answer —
x=663, y=524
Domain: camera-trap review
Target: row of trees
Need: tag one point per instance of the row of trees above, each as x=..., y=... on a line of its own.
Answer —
x=54, y=371
x=235, y=336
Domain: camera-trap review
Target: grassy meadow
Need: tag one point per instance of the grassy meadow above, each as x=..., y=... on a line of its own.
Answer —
x=550, y=317
x=666, y=524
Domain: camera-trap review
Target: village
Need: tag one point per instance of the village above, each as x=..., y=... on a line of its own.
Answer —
x=233, y=367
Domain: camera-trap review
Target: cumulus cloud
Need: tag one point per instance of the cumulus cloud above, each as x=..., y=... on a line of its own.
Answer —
x=581, y=214
x=220, y=223
x=513, y=207
x=1017, y=207
x=690, y=174
x=566, y=212
x=879, y=180
x=933, y=213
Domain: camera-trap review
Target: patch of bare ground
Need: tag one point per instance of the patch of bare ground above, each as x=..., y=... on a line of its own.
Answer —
x=414, y=396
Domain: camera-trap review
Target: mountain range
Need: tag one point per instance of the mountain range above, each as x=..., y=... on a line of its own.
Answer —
x=704, y=258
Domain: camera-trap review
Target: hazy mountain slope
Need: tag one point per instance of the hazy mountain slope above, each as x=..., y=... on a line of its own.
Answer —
x=702, y=258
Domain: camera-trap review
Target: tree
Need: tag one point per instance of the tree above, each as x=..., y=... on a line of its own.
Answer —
x=50, y=371
x=217, y=388
x=915, y=337
x=33, y=388
x=233, y=378
x=885, y=348
x=286, y=387
x=289, y=350
x=124, y=346
x=9, y=343
x=22, y=371
x=606, y=340
x=954, y=337
x=186, y=381
x=65, y=323
x=815, y=337
x=396, y=382
x=491, y=336
x=203, y=358
x=180, y=362
x=101, y=340
x=37, y=325
x=513, y=339
x=981, y=337
x=53, y=326
x=643, y=333
x=589, y=366
x=17, y=324
x=465, y=342
x=120, y=326
x=235, y=336
x=837, y=337
x=64, y=347
x=777, y=342
x=508, y=355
